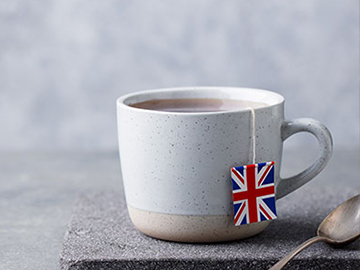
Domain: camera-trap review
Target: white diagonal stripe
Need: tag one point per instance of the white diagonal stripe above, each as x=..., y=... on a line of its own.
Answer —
x=260, y=174
x=243, y=214
x=238, y=181
x=267, y=209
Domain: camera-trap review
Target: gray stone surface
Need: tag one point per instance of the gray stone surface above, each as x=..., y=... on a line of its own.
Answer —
x=38, y=192
x=101, y=236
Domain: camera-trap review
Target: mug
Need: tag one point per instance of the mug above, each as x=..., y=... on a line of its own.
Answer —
x=176, y=166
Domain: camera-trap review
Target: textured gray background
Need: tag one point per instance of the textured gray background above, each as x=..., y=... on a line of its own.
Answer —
x=63, y=63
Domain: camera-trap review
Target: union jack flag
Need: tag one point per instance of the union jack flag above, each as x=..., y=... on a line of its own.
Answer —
x=253, y=193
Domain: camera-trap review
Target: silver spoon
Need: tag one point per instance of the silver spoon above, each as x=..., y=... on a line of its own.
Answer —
x=340, y=227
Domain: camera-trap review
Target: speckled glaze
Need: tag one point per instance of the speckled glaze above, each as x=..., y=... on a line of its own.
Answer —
x=176, y=166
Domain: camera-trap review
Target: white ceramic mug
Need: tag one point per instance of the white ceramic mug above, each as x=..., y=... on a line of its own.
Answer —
x=176, y=166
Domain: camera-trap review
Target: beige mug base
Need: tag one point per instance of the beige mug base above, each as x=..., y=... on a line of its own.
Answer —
x=192, y=229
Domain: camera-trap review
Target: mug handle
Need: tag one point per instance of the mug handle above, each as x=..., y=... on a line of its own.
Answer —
x=322, y=134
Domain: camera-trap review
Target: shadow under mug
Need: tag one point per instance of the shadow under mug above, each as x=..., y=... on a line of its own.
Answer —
x=176, y=166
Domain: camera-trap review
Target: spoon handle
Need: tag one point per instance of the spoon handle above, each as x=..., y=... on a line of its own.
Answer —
x=280, y=264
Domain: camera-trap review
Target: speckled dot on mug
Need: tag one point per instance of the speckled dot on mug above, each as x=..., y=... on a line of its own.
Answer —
x=176, y=165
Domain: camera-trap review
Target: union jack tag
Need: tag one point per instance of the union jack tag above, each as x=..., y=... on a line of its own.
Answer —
x=253, y=193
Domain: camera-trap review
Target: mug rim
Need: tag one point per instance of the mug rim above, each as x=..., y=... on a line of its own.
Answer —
x=121, y=101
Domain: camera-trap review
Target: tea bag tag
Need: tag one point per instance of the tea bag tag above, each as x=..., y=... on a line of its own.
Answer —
x=253, y=193
x=253, y=189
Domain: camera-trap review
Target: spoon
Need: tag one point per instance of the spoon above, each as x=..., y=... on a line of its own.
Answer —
x=340, y=227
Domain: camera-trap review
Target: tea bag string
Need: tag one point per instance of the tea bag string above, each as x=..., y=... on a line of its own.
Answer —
x=253, y=142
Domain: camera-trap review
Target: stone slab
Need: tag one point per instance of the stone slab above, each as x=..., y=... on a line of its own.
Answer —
x=101, y=236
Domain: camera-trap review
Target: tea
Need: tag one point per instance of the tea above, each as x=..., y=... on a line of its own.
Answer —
x=196, y=105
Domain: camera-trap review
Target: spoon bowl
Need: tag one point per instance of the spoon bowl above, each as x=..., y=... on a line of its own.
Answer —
x=342, y=225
